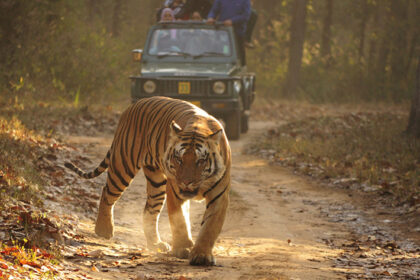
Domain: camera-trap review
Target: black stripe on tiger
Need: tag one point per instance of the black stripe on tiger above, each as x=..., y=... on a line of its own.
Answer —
x=133, y=143
x=121, y=179
x=176, y=195
x=156, y=205
x=87, y=175
x=219, y=195
x=103, y=198
x=157, y=195
x=205, y=219
x=154, y=184
x=150, y=168
x=125, y=165
x=103, y=166
x=152, y=212
x=108, y=191
x=115, y=185
x=215, y=184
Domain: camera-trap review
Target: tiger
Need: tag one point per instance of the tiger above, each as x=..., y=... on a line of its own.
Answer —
x=185, y=154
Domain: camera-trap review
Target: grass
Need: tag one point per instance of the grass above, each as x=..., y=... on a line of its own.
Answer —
x=19, y=176
x=369, y=149
x=28, y=132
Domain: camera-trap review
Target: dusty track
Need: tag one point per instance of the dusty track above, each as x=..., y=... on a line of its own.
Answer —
x=275, y=228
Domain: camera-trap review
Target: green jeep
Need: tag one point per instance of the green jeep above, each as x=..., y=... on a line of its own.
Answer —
x=198, y=63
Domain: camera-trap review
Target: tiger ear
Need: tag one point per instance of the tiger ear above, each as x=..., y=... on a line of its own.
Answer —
x=175, y=129
x=216, y=136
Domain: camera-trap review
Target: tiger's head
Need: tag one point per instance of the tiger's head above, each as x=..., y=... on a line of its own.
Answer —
x=193, y=159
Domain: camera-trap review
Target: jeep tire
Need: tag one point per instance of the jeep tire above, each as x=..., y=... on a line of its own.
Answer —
x=233, y=125
x=244, y=123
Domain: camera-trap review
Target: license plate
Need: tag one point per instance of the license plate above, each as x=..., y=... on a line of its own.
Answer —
x=184, y=88
x=196, y=103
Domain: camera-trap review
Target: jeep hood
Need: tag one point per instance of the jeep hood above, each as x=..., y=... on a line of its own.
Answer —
x=189, y=69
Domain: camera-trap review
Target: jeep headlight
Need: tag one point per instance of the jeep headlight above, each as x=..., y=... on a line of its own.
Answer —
x=237, y=86
x=149, y=87
x=219, y=87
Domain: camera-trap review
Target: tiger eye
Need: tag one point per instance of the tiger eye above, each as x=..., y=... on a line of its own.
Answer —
x=178, y=159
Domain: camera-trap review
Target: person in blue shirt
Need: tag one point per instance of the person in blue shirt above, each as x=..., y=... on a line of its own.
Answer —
x=250, y=27
x=234, y=13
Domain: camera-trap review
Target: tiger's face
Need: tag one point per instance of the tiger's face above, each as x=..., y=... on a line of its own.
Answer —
x=194, y=162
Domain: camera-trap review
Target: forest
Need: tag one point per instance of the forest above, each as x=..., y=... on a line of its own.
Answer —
x=349, y=50
x=325, y=184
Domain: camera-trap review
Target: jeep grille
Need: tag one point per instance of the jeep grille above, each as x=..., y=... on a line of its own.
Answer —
x=170, y=87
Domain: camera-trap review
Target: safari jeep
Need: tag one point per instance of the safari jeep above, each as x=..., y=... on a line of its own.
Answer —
x=198, y=63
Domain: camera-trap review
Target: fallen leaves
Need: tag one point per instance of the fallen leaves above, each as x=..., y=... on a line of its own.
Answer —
x=377, y=257
x=372, y=250
x=143, y=276
x=3, y=265
x=16, y=261
x=94, y=268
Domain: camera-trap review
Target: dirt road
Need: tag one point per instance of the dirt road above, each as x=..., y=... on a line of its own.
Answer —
x=276, y=227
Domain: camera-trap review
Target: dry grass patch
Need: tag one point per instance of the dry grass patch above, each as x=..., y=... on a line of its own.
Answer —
x=368, y=150
x=19, y=176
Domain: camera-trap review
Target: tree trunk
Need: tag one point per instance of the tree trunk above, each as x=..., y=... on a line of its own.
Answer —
x=297, y=37
x=398, y=35
x=92, y=10
x=373, y=42
x=413, y=35
x=381, y=70
x=326, y=30
x=413, y=127
x=365, y=15
x=116, y=18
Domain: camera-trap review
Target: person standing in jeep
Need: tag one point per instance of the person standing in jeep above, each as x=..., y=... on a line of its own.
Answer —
x=201, y=6
x=234, y=13
x=183, y=10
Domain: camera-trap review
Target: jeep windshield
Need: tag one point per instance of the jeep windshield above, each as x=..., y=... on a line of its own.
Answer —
x=190, y=42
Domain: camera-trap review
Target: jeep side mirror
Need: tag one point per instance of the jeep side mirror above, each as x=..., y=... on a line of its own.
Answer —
x=137, y=54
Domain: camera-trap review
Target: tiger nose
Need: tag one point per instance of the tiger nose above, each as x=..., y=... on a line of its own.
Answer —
x=187, y=182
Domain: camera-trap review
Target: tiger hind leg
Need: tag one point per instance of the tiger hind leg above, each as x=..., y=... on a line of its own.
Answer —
x=115, y=185
x=156, y=195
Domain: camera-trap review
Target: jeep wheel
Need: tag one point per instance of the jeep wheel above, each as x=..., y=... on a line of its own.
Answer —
x=233, y=126
x=244, y=123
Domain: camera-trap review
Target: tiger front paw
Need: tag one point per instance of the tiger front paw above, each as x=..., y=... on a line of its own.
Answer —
x=181, y=253
x=201, y=258
x=160, y=247
x=181, y=247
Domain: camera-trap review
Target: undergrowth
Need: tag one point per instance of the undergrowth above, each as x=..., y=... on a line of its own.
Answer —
x=27, y=229
x=367, y=149
x=19, y=177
